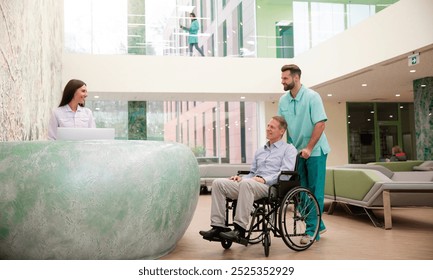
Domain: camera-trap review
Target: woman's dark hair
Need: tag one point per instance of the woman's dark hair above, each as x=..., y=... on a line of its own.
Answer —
x=191, y=14
x=69, y=91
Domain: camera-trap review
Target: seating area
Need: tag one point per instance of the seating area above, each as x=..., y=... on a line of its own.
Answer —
x=425, y=166
x=397, y=166
x=374, y=186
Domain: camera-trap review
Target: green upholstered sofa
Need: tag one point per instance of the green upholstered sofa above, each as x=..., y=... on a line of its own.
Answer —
x=376, y=187
x=425, y=166
x=397, y=166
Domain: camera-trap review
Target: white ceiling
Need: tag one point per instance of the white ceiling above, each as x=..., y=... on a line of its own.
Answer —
x=384, y=81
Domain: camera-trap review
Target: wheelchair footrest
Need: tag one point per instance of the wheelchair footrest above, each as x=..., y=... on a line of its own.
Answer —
x=215, y=238
x=242, y=241
x=239, y=240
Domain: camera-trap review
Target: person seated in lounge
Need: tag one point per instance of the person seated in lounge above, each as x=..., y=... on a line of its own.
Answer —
x=397, y=154
x=267, y=164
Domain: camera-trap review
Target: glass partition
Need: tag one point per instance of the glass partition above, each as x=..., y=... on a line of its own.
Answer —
x=216, y=132
x=374, y=128
x=360, y=123
x=235, y=28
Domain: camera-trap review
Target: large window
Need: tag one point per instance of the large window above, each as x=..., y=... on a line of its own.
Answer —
x=216, y=132
x=374, y=128
x=96, y=26
x=239, y=28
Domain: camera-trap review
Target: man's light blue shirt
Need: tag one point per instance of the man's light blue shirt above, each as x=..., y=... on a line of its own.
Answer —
x=270, y=160
x=301, y=114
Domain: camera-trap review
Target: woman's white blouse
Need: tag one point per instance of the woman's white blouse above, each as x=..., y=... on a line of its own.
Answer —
x=65, y=117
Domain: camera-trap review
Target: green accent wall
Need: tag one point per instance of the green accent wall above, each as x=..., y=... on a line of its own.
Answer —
x=423, y=103
x=137, y=122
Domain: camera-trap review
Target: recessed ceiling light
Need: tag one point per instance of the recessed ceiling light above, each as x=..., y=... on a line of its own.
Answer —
x=423, y=85
x=329, y=94
x=372, y=112
x=348, y=122
x=391, y=116
x=397, y=95
x=412, y=71
x=369, y=120
x=242, y=97
x=364, y=85
x=401, y=107
x=96, y=96
x=97, y=109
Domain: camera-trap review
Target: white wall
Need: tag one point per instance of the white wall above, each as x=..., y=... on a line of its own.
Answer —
x=397, y=30
x=176, y=77
x=336, y=130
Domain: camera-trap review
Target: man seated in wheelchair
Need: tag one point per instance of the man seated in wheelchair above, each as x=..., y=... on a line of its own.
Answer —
x=268, y=162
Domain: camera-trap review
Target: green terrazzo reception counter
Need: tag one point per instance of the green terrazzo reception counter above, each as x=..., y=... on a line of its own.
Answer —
x=101, y=199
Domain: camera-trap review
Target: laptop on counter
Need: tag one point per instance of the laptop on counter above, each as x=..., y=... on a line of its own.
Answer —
x=84, y=133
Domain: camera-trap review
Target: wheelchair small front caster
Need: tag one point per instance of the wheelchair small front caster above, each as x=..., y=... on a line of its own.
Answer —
x=226, y=243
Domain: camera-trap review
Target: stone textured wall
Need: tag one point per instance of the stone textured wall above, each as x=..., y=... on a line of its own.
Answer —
x=31, y=44
x=423, y=104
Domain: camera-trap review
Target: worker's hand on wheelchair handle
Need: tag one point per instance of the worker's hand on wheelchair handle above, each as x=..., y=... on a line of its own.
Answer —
x=305, y=153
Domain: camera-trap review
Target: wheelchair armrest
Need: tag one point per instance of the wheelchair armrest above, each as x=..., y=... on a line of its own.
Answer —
x=287, y=172
x=293, y=174
x=243, y=172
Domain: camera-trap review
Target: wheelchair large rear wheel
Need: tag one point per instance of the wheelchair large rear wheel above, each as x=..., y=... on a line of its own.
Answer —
x=299, y=219
x=266, y=242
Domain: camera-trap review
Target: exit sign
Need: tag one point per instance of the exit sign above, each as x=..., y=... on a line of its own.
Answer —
x=413, y=59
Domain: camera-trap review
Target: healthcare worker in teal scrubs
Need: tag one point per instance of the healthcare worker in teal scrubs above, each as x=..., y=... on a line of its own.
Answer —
x=305, y=115
x=193, y=38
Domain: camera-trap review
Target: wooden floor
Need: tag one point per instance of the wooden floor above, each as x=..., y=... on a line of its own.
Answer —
x=348, y=237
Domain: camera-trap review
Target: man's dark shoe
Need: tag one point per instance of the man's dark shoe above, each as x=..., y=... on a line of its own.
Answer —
x=213, y=232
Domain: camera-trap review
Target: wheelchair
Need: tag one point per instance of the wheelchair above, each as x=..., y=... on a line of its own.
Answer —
x=283, y=213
